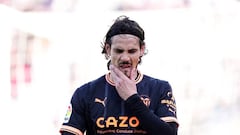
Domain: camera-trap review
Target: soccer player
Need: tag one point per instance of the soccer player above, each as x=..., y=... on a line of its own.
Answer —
x=123, y=101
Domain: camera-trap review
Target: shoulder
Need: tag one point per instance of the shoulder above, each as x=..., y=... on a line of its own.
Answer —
x=154, y=85
x=154, y=81
x=90, y=86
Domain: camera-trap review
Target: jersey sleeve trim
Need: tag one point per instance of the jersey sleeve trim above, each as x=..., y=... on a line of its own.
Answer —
x=70, y=129
x=169, y=119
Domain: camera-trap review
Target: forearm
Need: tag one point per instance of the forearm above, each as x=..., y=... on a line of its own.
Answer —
x=149, y=121
x=66, y=133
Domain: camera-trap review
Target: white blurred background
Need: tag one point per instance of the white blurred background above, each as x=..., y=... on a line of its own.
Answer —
x=48, y=48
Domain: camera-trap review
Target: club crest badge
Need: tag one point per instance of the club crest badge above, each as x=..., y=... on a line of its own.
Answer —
x=146, y=100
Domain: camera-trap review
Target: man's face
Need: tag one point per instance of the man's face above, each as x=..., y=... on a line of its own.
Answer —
x=125, y=52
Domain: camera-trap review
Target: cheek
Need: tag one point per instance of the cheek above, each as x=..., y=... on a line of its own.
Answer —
x=135, y=61
x=114, y=59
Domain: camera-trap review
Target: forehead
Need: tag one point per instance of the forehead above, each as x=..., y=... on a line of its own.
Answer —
x=125, y=39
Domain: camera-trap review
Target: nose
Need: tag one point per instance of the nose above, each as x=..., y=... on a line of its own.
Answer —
x=125, y=57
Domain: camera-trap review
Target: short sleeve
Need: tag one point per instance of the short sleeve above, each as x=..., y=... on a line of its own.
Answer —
x=74, y=121
x=167, y=105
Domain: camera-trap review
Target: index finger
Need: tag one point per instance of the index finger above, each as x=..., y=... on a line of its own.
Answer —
x=118, y=72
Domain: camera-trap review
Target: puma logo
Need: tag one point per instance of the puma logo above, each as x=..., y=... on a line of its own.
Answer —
x=103, y=102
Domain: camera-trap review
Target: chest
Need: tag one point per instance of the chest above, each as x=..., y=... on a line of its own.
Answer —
x=106, y=105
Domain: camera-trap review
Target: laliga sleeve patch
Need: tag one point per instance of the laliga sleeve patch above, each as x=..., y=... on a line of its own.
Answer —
x=68, y=114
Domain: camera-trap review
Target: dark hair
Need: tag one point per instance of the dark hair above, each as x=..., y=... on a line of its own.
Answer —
x=123, y=25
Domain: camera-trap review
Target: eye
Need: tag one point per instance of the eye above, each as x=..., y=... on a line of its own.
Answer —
x=132, y=51
x=118, y=50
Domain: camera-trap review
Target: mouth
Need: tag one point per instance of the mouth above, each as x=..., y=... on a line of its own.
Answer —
x=125, y=65
x=125, y=68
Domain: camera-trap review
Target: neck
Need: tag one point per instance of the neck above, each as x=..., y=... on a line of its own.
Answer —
x=135, y=77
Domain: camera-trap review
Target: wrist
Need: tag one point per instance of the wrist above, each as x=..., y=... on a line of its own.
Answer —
x=133, y=97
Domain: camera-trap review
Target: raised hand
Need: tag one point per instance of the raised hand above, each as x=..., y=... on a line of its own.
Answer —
x=126, y=86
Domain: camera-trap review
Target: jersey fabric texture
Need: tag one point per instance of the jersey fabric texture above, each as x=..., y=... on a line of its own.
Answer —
x=96, y=107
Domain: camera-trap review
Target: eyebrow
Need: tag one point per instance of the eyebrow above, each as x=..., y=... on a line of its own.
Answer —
x=118, y=50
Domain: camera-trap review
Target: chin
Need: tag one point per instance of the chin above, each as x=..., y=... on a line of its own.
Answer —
x=127, y=73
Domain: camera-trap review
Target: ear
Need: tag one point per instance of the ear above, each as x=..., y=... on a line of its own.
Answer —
x=108, y=49
x=142, y=51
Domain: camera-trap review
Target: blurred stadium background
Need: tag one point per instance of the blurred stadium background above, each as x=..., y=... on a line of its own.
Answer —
x=50, y=47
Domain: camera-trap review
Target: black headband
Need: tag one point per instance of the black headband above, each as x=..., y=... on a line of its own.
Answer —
x=134, y=32
x=125, y=26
